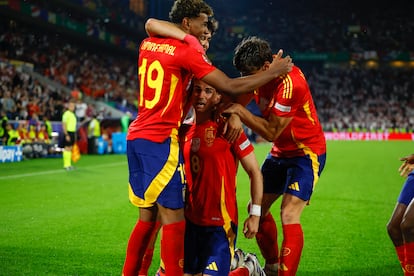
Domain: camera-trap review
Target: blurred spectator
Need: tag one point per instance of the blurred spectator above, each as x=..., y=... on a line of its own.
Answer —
x=42, y=135
x=94, y=133
x=48, y=125
x=11, y=136
x=80, y=110
x=3, y=122
x=9, y=105
x=23, y=131
x=125, y=121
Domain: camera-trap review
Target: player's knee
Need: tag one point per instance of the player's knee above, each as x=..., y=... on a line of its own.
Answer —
x=289, y=216
x=393, y=229
x=407, y=228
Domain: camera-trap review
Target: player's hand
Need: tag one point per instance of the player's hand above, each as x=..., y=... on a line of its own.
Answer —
x=193, y=42
x=232, y=108
x=251, y=226
x=409, y=159
x=233, y=128
x=407, y=166
x=281, y=66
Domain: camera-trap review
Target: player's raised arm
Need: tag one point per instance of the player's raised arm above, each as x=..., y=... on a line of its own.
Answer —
x=156, y=27
x=234, y=86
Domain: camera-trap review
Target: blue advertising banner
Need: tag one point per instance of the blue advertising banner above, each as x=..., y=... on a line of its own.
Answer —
x=10, y=154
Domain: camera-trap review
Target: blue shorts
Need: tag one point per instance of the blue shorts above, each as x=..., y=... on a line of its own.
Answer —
x=156, y=173
x=297, y=175
x=208, y=249
x=407, y=192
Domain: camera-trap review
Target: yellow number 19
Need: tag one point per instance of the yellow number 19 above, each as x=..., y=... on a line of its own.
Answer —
x=153, y=76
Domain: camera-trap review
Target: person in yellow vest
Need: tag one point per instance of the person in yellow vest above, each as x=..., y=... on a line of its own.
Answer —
x=94, y=132
x=11, y=137
x=3, y=122
x=43, y=135
x=23, y=131
x=69, y=122
x=32, y=134
x=48, y=125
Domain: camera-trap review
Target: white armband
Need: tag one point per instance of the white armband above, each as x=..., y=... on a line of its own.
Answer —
x=255, y=210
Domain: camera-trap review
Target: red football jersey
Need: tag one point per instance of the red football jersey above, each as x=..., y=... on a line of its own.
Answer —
x=211, y=168
x=290, y=96
x=165, y=67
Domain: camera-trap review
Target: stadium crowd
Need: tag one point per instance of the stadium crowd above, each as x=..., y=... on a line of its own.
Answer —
x=348, y=98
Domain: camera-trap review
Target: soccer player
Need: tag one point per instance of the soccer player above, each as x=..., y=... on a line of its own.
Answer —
x=297, y=157
x=157, y=27
x=401, y=225
x=156, y=173
x=211, y=205
x=69, y=122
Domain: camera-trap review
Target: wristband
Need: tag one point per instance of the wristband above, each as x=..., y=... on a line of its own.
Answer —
x=255, y=210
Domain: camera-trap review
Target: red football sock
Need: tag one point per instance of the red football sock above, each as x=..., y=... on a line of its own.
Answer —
x=401, y=255
x=266, y=238
x=149, y=253
x=240, y=271
x=409, y=259
x=172, y=248
x=137, y=244
x=291, y=249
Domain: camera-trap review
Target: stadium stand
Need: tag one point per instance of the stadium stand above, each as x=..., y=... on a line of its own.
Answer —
x=359, y=61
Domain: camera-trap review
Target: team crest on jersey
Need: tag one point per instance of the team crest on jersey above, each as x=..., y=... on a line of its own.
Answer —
x=209, y=136
x=195, y=144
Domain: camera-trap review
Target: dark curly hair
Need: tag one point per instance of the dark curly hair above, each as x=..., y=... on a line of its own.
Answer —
x=189, y=8
x=212, y=25
x=251, y=54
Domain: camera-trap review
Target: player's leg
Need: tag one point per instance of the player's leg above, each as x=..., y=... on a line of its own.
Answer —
x=274, y=173
x=171, y=209
x=156, y=178
x=266, y=237
x=139, y=240
x=395, y=224
x=302, y=176
x=68, y=143
x=172, y=242
x=394, y=231
x=407, y=227
x=292, y=244
x=149, y=252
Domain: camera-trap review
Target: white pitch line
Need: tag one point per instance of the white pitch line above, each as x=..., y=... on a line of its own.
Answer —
x=57, y=171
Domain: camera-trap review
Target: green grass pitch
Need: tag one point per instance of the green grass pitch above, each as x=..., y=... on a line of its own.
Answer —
x=54, y=222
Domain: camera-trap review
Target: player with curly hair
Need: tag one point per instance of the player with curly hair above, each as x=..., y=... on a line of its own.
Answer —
x=401, y=225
